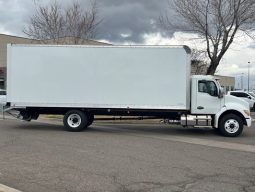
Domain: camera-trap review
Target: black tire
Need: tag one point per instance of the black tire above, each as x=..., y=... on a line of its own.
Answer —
x=231, y=125
x=90, y=119
x=34, y=116
x=75, y=121
x=26, y=115
x=217, y=130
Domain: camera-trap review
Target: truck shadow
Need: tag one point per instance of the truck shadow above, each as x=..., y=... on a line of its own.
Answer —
x=122, y=129
x=39, y=127
x=156, y=129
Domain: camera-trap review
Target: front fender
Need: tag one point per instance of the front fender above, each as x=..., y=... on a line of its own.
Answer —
x=233, y=108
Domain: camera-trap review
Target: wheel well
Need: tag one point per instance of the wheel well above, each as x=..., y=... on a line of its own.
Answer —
x=233, y=112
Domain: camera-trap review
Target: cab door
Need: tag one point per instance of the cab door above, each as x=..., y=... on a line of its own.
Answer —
x=206, y=99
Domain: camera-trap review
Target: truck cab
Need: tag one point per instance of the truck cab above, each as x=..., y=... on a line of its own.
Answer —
x=224, y=112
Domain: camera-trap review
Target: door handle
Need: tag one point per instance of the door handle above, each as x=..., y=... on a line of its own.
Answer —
x=200, y=107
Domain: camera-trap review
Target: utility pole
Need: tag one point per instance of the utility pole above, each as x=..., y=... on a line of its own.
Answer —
x=242, y=81
x=249, y=76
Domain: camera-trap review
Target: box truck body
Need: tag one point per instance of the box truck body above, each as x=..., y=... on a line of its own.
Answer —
x=93, y=77
x=82, y=81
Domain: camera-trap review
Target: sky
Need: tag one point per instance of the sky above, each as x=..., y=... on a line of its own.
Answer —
x=133, y=22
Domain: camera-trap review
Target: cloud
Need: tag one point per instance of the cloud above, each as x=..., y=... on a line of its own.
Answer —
x=252, y=45
x=13, y=15
x=123, y=20
x=131, y=17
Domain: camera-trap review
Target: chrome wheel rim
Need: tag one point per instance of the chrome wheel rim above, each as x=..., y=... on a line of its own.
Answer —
x=231, y=126
x=74, y=120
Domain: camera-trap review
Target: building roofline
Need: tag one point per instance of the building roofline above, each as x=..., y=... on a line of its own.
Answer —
x=224, y=76
x=51, y=39
x=92, y=40
x=18, y=37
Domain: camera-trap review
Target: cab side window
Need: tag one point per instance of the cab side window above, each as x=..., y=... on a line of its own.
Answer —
x=208, y=87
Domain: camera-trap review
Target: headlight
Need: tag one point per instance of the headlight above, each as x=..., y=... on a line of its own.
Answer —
x=247, y=112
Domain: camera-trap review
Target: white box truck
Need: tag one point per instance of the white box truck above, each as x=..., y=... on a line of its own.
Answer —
x=82, y=81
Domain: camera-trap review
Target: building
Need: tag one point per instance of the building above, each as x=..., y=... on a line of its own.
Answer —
x=4, y=40
x=8, y=39
x=227, y=82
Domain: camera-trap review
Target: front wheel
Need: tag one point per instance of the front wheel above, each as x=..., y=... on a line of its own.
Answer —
x=75, y=121
x=231, y=125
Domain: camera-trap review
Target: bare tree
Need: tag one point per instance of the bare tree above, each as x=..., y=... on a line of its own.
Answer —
x=198, y=62
x=53, y=22
x=79, y=24
x=46, y=23
x=216, y=21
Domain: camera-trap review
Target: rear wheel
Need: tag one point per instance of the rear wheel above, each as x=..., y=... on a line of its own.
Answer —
x=75, y=121
x=231, y=125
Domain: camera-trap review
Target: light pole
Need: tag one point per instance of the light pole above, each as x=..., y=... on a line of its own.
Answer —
x=249, y=76
x=242, y=81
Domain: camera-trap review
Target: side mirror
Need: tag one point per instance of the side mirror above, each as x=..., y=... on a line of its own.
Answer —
x=221, y=92
x=249, y=97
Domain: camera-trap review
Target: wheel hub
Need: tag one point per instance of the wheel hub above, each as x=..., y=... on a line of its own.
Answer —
x=231, y=126
x=74, y=120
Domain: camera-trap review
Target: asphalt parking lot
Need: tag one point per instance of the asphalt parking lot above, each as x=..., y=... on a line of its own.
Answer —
x=40, y=156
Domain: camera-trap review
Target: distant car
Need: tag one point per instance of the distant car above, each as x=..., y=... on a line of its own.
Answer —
x=247, y=96
x=252, y=94
x=2, y=97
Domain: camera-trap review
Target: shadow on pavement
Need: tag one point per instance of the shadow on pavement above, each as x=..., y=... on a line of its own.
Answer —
x=38, y=127
x=122, y=128
x=156, y=129
x=113, y=128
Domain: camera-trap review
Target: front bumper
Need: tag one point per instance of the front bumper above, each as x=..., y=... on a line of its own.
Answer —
x=248, y=121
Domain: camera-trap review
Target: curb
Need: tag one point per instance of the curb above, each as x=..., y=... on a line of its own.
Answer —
x=4, y=188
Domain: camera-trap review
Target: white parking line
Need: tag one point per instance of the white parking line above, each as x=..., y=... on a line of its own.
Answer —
x=4, y=188
x=209, y=143
x=195, y=141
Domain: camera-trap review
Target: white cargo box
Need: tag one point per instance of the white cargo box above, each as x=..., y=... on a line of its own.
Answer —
x=135, y=77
